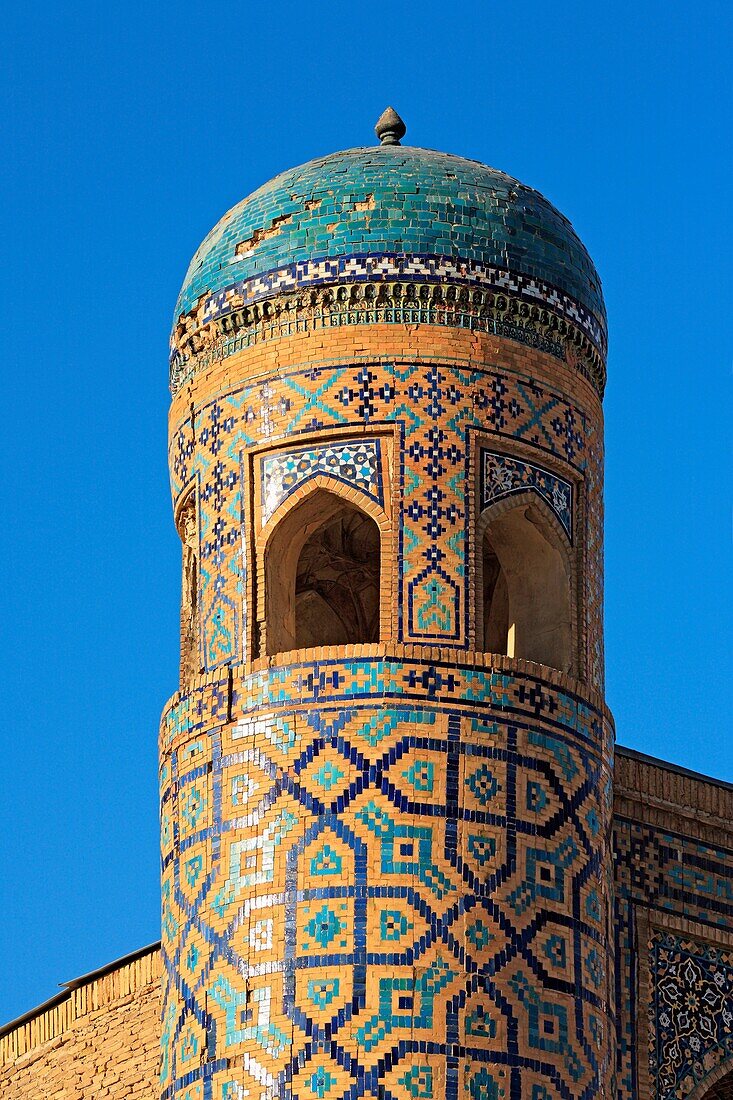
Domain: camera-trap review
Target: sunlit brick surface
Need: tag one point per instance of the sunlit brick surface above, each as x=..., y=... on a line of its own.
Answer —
x=386, y=866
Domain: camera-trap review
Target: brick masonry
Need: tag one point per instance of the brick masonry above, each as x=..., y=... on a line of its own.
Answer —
x=386, y=867
x=100, y=1039
x=397, y=869
x=673, y=919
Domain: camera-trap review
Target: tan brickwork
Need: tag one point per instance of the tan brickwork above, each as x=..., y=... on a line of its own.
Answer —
x=99, y=1042
x=671, y=798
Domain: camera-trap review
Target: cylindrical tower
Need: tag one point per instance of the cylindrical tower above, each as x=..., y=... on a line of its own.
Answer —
x=386, y=777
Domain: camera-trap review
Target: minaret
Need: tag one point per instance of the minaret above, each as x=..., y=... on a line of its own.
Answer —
x=386, y=776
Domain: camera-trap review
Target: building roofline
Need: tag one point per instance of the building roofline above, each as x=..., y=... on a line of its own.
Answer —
x=67, y=988
x=657, y=762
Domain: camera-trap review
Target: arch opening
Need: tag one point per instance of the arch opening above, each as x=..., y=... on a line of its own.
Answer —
x=525, y=605
x=722, y=1089
x=322, y=574
x=718, y=1085
x=187, y=524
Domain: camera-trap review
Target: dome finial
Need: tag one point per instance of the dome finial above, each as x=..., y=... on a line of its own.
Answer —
x=390, y=127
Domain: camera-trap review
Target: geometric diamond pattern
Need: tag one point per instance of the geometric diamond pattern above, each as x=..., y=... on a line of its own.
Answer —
x=411, y=908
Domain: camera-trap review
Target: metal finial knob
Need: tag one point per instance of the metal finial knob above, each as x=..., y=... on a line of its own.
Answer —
x=390, y=127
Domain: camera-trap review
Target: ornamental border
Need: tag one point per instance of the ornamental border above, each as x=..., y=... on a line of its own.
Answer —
x=384, y=266
x=212, y=699
x=437, y=290
x=647, y=921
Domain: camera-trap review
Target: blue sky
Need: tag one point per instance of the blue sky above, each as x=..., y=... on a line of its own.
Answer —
x=127, y=131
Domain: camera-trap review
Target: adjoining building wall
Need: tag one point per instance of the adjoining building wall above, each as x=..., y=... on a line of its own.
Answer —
x=99, y=1040
x=673, y=854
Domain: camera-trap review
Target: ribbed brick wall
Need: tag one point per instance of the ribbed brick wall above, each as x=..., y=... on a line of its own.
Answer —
x=100, y=1042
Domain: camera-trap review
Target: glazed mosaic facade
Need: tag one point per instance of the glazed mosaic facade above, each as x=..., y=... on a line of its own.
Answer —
x=673, y=921
x=395, y=885
x=388, y=868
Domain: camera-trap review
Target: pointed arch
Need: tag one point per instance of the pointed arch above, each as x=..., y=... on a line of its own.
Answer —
x=322, y=561
x=718, y=1085
x=525, y=605
x=187, y=525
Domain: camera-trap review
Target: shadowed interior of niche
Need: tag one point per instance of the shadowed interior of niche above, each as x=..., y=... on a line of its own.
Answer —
x=322, y=573
x=525, y=598
x=337, y=583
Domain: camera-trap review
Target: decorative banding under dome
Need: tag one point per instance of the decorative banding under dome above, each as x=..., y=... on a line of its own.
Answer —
x=391, y=233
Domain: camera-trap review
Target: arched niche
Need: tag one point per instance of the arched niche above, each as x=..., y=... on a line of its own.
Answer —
x=187, y=527
x=524, y=585
x=322, y=567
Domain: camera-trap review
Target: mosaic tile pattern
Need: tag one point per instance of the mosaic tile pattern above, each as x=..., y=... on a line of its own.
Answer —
x=435, y=407
x=394, y=888
x=691, y=1011
x=503, y=476
x=393, y=201
x=385, y=870
x=667, y=874
x=356, y=463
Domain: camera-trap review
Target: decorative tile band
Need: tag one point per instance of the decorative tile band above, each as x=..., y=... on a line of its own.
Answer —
x=387, y=289
x=503, y=476
x=356, y=462
x=385, y=267
x=522, y=697
x=287, y=316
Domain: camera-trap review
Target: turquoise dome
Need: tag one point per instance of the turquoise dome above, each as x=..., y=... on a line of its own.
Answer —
x=392, y=200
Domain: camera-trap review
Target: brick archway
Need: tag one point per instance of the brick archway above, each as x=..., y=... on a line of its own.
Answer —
x=342, y=574
x=531, y=550
x=718, y=1085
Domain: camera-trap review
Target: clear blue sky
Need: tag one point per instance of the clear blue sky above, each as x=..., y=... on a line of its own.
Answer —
x=127, y=131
